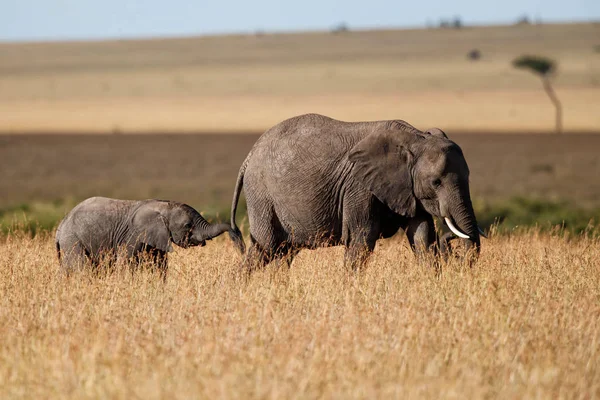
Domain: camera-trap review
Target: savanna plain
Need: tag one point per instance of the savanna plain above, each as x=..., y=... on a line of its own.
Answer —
x=523, y=322
x=242, y=83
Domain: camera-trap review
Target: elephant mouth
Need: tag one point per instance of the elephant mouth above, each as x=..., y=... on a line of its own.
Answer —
x=196, y=243
x=193, y=243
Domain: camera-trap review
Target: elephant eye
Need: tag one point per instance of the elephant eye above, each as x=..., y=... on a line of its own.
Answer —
x=436, y=182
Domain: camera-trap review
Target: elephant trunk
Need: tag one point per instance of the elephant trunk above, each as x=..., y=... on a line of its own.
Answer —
x=463, y=216
x=215, y=230
x=207, y=231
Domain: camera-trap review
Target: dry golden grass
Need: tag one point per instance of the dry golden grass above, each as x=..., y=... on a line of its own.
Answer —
x=249, y=83
x=522, y=323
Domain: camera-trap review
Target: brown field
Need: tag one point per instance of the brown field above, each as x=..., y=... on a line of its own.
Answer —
x=522, y=323
x=202, y=169
x=248, y=83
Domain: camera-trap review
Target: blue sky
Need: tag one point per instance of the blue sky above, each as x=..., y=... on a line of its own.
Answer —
x=97, y=19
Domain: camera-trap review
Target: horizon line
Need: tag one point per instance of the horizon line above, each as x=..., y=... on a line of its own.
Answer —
x=265, y=32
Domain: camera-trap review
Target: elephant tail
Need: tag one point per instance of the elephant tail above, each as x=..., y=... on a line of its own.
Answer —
x=235, y=233
x=238, y=240
x=58, y=250
x=56, y=242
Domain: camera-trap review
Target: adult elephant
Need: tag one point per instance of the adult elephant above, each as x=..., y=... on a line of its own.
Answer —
x=312, y=180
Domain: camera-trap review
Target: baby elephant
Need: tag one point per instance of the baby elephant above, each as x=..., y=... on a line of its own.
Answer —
x=97, y=227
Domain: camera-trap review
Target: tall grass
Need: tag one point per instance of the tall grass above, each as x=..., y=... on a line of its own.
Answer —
x=505, y=215
x=519, y=212
x=34, y=217
x=522, y=323
x=40, y=216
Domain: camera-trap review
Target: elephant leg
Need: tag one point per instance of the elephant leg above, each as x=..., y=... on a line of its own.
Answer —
x=359, y=248
x=127, y=258
x=74, y=257
x=444, y=244
x=422, y=237
x=151, y=257
x=269, y=240
x=107, y=259
x=359, y=231
x=290, y=255
x=255, y=257
x=159, y=259
x=357, y=254
x=285, y=254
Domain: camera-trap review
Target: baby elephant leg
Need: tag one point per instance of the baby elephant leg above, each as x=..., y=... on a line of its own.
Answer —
x=73, y=257
x=159, y=259
x=154, y=258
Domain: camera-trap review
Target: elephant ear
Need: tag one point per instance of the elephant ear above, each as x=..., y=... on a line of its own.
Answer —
x=151, y=228
x=436, y=132
x=382, y=163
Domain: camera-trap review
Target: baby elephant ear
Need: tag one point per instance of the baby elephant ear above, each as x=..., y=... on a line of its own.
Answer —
x=150, y=228
x=382, y=165
x=436, y=132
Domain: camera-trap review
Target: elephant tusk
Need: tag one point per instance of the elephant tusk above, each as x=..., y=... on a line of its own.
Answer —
x=454, y=230
x=481, y=232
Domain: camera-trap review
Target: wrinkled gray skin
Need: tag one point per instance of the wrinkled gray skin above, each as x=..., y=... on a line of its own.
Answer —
x=312, y=180
x=97, y=227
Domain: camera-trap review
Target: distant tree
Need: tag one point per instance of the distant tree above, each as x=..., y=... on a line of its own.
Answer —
x=457, y=23
x=474, y=55
x=544, y=68
x=340, y=28
x=523, y=20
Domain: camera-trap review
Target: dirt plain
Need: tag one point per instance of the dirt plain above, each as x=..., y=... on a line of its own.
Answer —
x=247, y=83
x=202, y=169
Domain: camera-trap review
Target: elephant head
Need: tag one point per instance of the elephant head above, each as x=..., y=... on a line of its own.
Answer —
x=411, y=171
x=163, y=222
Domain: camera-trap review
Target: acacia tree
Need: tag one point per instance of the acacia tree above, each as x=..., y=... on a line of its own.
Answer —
x=545, y=68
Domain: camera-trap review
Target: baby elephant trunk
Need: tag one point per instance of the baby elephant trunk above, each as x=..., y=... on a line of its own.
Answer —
x=210, y=231
x=213, y=230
